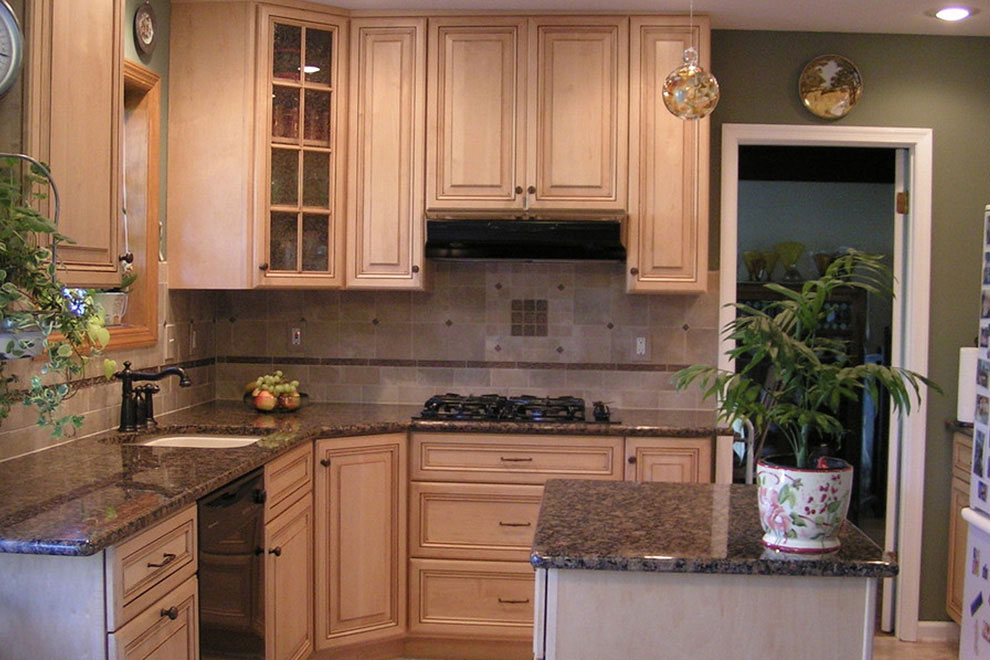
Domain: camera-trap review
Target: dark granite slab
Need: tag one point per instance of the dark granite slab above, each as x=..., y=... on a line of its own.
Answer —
x=679, y=528
x=88, y=494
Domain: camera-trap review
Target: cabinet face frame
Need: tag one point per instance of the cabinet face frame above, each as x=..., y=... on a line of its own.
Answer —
x=292, y=534
x=264, y=276
x=667, y=226
x=386, y=142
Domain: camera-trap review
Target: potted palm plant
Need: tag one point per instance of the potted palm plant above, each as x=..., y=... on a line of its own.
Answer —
x=39, y=316
x=792, y=379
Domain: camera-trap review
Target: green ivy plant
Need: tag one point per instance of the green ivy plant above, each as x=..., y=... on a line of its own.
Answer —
x=46, y=317
x=792, y=376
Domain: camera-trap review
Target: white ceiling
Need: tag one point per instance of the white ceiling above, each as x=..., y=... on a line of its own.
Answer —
x=886, y=16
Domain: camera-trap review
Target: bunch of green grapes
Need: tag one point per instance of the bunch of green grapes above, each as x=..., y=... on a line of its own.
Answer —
x=276, y=384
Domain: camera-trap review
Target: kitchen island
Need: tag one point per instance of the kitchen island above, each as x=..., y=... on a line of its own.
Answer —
x=647, y=571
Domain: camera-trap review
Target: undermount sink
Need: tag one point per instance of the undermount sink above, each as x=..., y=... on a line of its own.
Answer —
x=200, y=441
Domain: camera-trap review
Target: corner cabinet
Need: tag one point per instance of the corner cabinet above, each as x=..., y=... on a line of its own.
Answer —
x=387, y=125
x=667, y=232
x=75, y=80
x=527, y=115
x=361, y=524
x=255, y=171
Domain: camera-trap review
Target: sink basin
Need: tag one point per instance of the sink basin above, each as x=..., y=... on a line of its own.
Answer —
x=201, y=441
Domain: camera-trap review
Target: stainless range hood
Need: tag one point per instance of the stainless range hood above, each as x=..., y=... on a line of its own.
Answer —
x=525, y=240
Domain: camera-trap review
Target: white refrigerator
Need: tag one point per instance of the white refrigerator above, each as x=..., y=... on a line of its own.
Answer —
x=974, y=637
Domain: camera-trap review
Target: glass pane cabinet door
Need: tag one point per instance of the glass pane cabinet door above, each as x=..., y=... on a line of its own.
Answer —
x=301, y=151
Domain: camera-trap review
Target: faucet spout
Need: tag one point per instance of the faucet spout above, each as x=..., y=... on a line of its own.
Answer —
x=129, y=398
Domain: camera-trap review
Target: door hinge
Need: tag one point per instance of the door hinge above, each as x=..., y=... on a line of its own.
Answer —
x=901, y=203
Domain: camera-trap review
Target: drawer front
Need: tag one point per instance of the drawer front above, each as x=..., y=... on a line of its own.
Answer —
x=167, y=630
x=514, y=458
x=144, y=568
x=471, y=598
x=962, y=455
x=288, y=478
x=472, y=521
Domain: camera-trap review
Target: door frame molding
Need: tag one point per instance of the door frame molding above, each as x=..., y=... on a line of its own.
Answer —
x=906, y=476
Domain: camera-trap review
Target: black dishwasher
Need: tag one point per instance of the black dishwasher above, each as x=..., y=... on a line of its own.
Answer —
x=231, y=570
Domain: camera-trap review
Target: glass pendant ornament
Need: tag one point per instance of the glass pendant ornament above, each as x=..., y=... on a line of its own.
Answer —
x=690, y=92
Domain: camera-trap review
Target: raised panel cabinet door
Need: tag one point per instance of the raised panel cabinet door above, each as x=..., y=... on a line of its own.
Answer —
x=577, y=114
x=958, y=532
x=78, y=82
x=678, y=460
x=361, y=521
x=167, y=630
x=386, y=163
x=300, y=195
x=289, y=583
x=475, y=113
x=668, y=165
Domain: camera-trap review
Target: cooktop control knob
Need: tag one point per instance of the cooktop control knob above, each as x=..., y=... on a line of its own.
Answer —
x=601, y=411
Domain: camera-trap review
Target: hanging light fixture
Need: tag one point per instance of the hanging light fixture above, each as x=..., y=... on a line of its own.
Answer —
x=690, y=92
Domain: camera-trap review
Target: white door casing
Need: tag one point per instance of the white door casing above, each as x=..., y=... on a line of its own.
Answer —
x=912, y=265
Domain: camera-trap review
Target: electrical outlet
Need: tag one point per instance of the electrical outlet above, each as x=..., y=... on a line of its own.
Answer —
x=640, y=345
x=192, y=339
x=295, y=336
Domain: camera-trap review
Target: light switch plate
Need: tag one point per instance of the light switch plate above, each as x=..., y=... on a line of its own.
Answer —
x=171, y=343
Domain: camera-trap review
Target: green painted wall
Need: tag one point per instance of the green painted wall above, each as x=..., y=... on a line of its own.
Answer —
x=916, y=81
x=157, y=62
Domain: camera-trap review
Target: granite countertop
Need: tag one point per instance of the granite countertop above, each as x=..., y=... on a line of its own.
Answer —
x=679, y=528
x=85, y=495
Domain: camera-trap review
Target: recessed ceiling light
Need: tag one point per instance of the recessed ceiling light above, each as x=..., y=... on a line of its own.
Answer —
x=954, y=13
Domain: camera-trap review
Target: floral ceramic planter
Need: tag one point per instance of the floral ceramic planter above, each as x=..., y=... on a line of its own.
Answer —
x=113, y=304
x=802, y=509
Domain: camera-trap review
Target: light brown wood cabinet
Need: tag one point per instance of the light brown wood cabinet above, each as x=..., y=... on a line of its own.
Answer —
x=667, y=226
x=361, y=523
x=75, y=80
x=167, y=630
x=527, y=115
x=679, y=460
x=386, y=134
x=256, y=155
x=289, y=567
x=962, y=453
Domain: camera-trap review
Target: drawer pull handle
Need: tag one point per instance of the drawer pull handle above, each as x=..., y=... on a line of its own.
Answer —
x=167, y=559
x=505, y=524
x=506, y=601
x=515, y=460
x=172, y=612
x=277, y=551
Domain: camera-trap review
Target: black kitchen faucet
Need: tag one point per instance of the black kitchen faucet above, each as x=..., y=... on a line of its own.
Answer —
x=136, y=408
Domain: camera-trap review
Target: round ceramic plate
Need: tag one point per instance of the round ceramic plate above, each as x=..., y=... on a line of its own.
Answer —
x=830, y=86
x=145, y=28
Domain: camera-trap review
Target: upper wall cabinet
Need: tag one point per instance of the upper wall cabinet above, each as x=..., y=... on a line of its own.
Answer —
x=527, y=116
x=74, y=123
x=385, y=153
x=255, y=176
x=667, y=233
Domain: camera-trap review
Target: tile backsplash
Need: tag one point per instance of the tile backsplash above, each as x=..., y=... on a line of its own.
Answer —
x=464, y=335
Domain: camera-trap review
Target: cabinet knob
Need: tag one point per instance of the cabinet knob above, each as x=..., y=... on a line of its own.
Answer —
x=631, y=460
x=519, y=190
x=325, y=462
x=531, y=190
x=263, y=267
x=172, y=612
x=277, y=551
x=415, y=268
x=634, y=271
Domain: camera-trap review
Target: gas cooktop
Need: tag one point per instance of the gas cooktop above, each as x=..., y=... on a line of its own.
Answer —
x=522, y=408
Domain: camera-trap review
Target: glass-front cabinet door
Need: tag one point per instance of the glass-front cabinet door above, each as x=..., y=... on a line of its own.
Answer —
x=300, y=240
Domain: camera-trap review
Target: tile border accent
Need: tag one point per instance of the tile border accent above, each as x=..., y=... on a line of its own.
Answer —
x=92, y=381
x=451, y=364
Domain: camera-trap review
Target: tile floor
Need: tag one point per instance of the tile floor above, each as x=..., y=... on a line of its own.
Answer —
x=886, y=647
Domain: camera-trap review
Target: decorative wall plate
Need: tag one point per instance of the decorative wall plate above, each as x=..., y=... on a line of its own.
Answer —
x=145, y=28
x=830, y=86
x=11, y=47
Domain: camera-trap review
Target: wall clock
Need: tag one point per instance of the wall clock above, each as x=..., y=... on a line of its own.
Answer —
x=145, y=28
x=11, y=47
x=830, y=86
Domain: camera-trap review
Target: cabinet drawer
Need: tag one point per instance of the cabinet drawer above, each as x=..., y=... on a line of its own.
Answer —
x=472, y=521
x=514, y=458
x=167, y=630
x=962, y=455
x=287, y=478
x=471, y=598
x=146, y=567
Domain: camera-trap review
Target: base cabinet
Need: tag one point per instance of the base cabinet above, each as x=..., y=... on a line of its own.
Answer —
x=678, y=460
x=361, y=522
x=289, y=583
x=962, y=451
x=169, y=630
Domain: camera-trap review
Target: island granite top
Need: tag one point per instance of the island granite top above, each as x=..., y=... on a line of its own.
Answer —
x=679, y=528
x=85, y=495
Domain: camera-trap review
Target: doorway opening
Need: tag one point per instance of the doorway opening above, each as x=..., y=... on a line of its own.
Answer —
x=909, y=320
